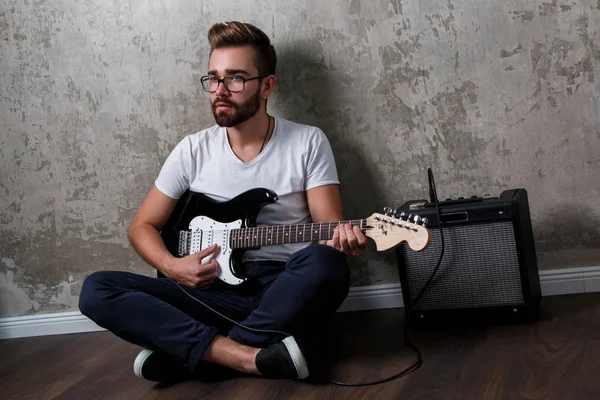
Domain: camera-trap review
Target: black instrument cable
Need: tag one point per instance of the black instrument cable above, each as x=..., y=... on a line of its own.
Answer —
x=413, y=367
x=417, y=364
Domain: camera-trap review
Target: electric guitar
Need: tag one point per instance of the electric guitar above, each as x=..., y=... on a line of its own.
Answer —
x=198, y=222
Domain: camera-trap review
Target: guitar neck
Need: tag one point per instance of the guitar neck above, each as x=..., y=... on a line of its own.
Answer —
x=282, y=234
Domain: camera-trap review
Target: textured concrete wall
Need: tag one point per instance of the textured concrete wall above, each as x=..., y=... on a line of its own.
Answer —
x=93, y=95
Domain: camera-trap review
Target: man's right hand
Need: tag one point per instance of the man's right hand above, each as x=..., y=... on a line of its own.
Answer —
x=190, y=271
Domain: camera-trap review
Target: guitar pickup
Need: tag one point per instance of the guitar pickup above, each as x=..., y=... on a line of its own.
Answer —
x=185, y=241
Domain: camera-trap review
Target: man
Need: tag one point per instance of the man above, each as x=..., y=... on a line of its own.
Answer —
x=292, y=288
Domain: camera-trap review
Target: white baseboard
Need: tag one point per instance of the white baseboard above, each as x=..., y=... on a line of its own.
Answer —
x=374, y=297
x=46, y=324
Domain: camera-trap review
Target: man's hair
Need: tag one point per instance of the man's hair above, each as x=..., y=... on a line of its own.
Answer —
x=236, y=33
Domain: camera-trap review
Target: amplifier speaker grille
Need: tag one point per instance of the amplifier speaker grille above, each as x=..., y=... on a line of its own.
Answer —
x=480, y=268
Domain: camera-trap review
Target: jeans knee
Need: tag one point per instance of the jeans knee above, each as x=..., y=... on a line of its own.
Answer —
x=90, y=298
x=324, y=265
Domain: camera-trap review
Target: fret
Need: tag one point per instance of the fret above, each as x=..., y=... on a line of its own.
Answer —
x=260, y=231
x=261, y=235
x=275, y=231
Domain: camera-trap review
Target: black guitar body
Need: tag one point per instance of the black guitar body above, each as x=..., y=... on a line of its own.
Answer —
x=245, y=207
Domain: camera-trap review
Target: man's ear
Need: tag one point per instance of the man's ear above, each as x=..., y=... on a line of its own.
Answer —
x=268, y=86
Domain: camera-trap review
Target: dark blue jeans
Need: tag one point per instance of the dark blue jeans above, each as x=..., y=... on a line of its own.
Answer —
x=299, y=297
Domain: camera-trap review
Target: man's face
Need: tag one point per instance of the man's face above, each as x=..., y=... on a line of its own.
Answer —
x=231, y=109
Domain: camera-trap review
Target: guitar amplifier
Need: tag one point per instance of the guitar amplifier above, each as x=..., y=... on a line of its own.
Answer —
x=489, y=267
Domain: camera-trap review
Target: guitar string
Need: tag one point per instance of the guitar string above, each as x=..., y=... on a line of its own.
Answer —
x=279, y=230
x=281, y=239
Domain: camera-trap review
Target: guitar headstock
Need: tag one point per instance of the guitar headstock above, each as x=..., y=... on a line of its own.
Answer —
x=388, y=231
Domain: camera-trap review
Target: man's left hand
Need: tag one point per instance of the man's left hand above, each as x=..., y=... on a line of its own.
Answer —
x=348, y=239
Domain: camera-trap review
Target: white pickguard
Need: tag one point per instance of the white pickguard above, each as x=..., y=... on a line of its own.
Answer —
x=205, y=233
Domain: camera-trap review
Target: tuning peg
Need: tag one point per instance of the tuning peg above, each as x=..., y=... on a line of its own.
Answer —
x=394, y=212
x=417, y=219
x=409, y=217
x=403, y=215
x=424, y=221
x=387, y=211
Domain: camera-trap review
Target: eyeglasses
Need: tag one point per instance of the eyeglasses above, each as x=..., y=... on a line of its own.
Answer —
x=233, y=83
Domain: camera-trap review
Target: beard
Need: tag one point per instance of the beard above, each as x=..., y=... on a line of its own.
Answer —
x=241, y=112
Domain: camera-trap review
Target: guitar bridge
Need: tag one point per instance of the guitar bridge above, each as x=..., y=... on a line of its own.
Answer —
x=185, y=242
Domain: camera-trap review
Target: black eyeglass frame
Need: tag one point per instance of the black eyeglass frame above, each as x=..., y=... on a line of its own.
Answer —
x=222, y=81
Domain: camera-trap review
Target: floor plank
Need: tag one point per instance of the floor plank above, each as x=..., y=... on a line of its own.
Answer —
x=555, y=357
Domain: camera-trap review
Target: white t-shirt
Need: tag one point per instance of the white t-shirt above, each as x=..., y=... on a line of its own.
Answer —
x=297, y=158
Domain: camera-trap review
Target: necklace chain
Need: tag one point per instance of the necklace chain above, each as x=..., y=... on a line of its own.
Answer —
x=264, y=139
x=266, y=135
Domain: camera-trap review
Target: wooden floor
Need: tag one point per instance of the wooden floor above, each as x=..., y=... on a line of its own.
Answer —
x=557, y=357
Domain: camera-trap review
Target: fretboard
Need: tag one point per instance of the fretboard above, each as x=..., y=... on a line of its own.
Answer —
x=281, y=234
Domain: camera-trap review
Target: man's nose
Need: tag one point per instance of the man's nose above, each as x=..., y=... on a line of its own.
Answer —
x=222, y=90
